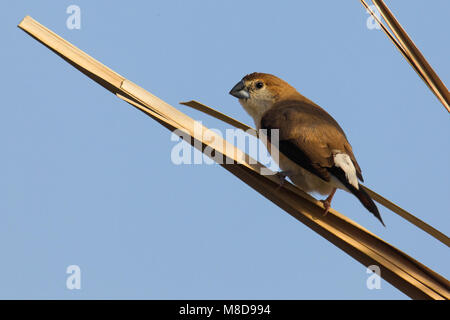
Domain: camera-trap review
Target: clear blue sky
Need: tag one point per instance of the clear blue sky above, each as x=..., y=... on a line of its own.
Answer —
x=87, y=180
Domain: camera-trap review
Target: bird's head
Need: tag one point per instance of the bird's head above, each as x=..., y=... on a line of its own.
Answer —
x=258, y=92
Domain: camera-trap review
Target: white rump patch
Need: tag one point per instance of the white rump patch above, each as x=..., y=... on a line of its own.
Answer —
x=344, y=162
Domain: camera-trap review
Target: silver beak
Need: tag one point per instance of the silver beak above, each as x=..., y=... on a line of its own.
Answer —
x=239, y=91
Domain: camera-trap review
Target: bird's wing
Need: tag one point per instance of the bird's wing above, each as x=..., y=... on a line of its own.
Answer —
x=308, y=136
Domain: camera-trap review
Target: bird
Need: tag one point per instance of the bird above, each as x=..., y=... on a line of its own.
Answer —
x=314, y=151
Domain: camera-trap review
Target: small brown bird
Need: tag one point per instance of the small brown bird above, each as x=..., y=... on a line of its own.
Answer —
x=315, y=153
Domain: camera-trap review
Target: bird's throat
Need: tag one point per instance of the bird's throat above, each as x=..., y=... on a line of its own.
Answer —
x=255, y=110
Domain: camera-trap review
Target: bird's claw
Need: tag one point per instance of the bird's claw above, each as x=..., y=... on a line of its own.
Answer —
x=327, y=202
x=282, y=177
x=327, y=205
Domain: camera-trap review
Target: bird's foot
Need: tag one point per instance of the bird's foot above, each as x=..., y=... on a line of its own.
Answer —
x=327, y=202
x=281, y=175
x=327, y=205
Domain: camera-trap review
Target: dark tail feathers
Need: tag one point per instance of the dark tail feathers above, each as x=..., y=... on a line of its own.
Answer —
x=360, y=193
x=367, y=202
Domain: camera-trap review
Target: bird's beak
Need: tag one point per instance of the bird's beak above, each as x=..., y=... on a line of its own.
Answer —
x=239, y=91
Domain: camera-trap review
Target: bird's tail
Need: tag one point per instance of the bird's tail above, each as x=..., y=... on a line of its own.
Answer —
x=360, y=193
x=367, y=202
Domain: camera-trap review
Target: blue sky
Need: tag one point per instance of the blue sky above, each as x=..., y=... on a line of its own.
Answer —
x=87, y=180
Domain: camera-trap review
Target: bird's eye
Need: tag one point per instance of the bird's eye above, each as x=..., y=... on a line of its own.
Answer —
x=259, y=85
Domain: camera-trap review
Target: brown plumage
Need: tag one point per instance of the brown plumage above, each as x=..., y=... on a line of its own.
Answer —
x=309, y=127
x=315, y=152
